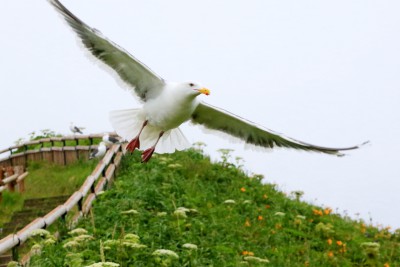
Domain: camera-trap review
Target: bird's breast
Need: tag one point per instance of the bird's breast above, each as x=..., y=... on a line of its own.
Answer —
x=168, y=113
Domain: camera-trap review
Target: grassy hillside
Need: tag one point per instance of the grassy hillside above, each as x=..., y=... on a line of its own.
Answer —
x=46, y=180
x=182, y=210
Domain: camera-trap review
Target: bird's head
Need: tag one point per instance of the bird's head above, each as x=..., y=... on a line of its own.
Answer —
x=194, y=88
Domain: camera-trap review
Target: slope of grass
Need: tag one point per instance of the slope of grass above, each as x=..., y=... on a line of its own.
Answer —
x=45, y=180
x=182, y=210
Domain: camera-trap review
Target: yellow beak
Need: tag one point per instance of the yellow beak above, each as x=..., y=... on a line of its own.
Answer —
x=204, y=91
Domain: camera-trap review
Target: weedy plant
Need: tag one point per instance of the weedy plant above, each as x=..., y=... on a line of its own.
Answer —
x=183, y=210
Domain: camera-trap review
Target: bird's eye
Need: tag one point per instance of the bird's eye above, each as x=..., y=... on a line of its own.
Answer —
x=191, y=84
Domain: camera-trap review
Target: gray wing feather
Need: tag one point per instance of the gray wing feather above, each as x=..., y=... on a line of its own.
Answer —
x=145, y=83
x=218, y=119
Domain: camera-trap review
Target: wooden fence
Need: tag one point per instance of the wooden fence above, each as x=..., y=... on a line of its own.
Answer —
x=54, y=149
x=12, y=177
x=102, y=175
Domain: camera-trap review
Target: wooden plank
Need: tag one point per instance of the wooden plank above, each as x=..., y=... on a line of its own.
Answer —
x=117, y=159
x=110, y=172
x=100, y=185
x=8, y=243
x=58, y=155
x=87, y=205
x=33, y=155
x=73, y=200
x=98, y=170
x=25, y=232
x=87, y=185
x=47, y=154
x=55, y=214
x=71, y=156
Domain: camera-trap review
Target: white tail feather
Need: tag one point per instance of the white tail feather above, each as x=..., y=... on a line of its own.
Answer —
x=127, y=123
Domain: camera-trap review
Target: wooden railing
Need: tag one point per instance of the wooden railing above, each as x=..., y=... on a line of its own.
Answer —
x=47, y=149
x=15, y=178
x=83, y=198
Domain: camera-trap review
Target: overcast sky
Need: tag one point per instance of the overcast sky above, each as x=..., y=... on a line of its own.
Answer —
x=325, y=72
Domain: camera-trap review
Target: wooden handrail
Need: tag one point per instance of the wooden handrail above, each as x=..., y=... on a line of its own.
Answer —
x=105, y=168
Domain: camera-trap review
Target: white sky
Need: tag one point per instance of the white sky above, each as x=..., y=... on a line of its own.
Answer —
x=325, y=72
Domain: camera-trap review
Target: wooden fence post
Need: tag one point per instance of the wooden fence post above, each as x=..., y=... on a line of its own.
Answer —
x=10, y=171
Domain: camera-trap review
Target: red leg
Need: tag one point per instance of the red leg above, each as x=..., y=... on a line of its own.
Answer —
x=146, y=155
x=135, y=143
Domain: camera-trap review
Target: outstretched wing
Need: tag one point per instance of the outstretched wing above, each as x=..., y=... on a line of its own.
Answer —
x=218, y=119
x=139, y=77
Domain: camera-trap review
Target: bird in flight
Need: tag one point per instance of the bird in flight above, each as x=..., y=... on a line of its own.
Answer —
x=166, y=105
x=75, y=129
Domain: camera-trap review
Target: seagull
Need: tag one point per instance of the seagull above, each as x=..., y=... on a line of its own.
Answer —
x=99, y=151
x=76, y=129
x=110, y=140
x=166, y=105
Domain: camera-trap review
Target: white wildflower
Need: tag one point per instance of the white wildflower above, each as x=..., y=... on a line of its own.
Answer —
x=166, y=252
x=247, y=202
x=36, y=249
x=104, y=264
x=71, y=244
x=255, y=259
x=49, y=241
x=280, y=214
x=78, y=231
x=82, y=238
x=301, y=217
x=180, y=214
x=133, y=245
x=230, y=201
x=132, y=237
x=161, y=214
x=190, y=246
x=175, y=166
x=132, y=211
x=183, y=209
x=40, y=232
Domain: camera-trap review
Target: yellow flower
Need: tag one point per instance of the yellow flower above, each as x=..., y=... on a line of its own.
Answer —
x=243, y=189
x=329, y=241
x=317, y=212
x=265, y=196
x=327, y=211
x=247, y=223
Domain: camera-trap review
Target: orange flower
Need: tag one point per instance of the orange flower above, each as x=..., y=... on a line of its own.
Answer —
x=330, y=254
x=329, y=241
x=243, y=189
x=267, y=206
x=317, y=212
x=386, y=265
x=245, y=253
x=339, y=243
x=327, y=211
x=260, y=218
x=247, y=223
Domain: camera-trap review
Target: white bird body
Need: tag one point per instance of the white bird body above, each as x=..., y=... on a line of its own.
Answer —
x=99, y=151
x=167, y=105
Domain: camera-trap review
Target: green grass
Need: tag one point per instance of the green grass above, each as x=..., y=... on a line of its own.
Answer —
x=256, y=224
x=48, y=179
x=45, y=180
